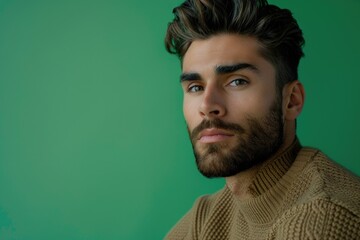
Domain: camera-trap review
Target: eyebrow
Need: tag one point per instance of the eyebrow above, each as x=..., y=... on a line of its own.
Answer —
x=189, y=77
x=224, y=69
x=221, y=69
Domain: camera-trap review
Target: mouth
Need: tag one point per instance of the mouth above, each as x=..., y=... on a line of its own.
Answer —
x=213, y=135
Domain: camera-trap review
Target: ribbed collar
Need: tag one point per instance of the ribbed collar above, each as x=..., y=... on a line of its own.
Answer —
x=269, y=187
x=272, y=171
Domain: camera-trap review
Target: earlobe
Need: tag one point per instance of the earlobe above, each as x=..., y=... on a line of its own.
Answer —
x=294, y=99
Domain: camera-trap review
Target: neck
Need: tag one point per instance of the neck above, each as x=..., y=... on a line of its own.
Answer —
x=240, y=184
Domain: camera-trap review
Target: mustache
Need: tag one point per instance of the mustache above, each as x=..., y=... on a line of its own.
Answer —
x=215, y=123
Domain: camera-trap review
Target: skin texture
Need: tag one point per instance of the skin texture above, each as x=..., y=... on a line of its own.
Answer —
x=241, y=91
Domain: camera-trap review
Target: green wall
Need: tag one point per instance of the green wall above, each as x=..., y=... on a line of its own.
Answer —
x=92, y=139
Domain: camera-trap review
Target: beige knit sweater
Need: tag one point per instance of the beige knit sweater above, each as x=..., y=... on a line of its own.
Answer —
x=299, y=195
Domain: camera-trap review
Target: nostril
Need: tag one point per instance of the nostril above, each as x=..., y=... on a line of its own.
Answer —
x=215, y=112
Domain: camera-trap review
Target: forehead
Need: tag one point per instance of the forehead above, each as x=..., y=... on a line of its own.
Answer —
x=223, y=49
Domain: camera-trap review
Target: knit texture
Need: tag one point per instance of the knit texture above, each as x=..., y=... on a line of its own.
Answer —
x=301, y=194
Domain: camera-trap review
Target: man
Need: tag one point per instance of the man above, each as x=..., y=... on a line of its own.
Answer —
x=241, y=100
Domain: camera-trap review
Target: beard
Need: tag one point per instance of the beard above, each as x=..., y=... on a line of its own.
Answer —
x=253, y=145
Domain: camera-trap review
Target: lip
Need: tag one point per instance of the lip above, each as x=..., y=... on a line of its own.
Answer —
x=212, y=135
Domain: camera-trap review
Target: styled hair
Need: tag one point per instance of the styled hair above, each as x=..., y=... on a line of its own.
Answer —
x=276, y=30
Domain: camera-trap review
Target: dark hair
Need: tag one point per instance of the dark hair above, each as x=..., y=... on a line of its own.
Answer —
x=275, y=29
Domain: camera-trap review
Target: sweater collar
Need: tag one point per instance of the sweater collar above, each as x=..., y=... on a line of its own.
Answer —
x=272, y=171
x=269, y=186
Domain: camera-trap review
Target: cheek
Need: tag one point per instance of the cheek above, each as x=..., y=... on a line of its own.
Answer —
x=191, y=114
x=261, y=97
x=252, y=106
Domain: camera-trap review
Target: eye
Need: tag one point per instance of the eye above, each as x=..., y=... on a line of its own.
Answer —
x=195, y=88
x=238, y=82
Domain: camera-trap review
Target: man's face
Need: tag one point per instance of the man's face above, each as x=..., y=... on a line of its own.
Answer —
x=231, y=105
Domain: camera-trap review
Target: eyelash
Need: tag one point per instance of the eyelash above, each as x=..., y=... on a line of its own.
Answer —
x=190, y=88
x=240, y=81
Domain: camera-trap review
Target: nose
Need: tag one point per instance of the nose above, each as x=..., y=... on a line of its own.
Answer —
x=213, y=104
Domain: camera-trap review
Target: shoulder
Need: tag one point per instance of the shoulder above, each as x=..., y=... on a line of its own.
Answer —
x=329, y=181
x=324, y=200
x=317, y=219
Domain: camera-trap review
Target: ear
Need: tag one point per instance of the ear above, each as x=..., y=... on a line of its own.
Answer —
x=294, y=97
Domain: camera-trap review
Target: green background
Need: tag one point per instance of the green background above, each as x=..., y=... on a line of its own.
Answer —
x=93, y=143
